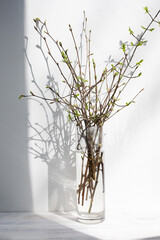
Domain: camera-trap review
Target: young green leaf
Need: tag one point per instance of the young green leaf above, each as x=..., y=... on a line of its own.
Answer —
x=146, y=9
x=143, y=42
x=139, y=43
x=86, y=106
x=139, y=63
x=143, y=27
x=130, y=31
x=31, y=93
x=36, y=19
x=139, y=74
x=64, y=55
x=70, y=27
x=21, y=96
x=76, y=95
x=123, y=47
x=60, y=44
x=83, y=80
x=127, y=104
x=113, y=67
x=78, y=85
x=69, y=117
x=116, y=74
x=76, y=113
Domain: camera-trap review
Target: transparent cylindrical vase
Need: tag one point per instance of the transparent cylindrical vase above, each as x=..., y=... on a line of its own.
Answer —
x=90, y=177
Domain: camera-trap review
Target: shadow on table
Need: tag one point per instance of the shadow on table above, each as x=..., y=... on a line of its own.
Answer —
x=33, y=226
x=151, y=238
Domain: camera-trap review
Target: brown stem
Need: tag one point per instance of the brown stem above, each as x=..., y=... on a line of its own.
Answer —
x=80, y=186
x=84, y=183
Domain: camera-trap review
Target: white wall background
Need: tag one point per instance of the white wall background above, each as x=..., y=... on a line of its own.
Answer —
x=132, y=137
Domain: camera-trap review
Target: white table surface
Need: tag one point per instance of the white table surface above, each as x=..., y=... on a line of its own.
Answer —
x=47, y=226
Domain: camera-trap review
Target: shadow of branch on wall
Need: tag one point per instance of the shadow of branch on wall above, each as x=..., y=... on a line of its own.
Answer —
x=53, y=143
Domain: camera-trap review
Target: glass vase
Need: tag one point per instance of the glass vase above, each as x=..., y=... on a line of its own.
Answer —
x=90, y=175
